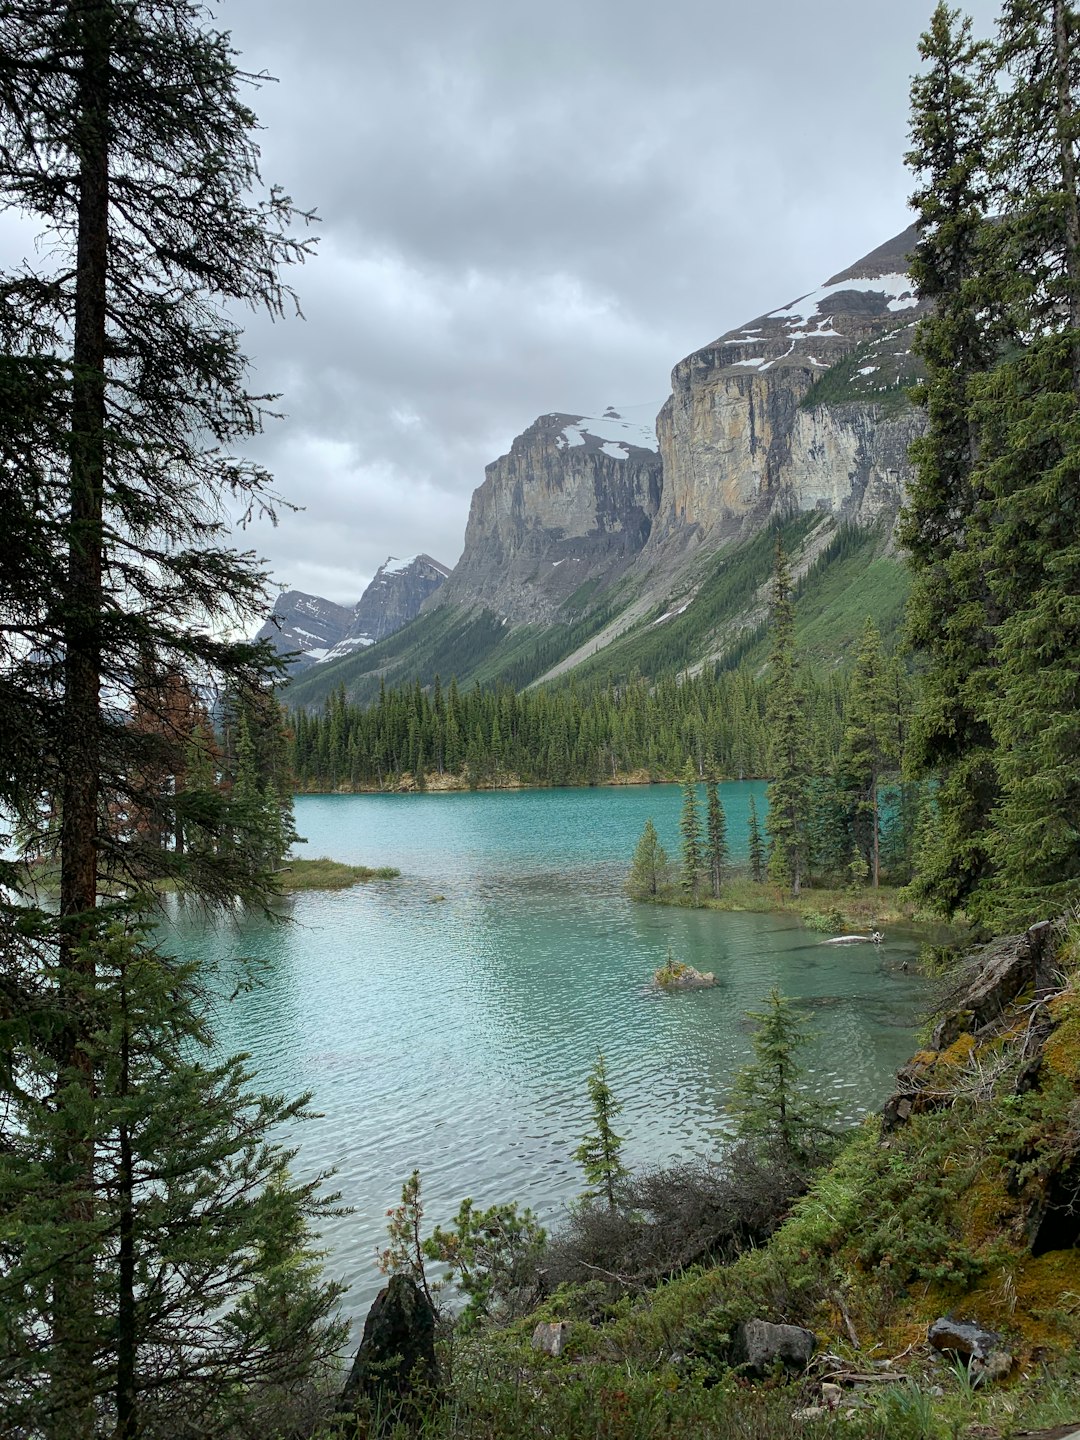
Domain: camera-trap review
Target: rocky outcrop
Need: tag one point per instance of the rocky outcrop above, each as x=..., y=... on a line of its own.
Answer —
x=996, y=975
x=306, y=626
x=572, y=503
x=800, y=409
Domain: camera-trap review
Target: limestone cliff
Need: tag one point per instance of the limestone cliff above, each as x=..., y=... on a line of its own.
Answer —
x=801, y=409
x=573, y=502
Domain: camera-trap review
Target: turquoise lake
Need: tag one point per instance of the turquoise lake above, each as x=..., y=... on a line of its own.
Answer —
x=455, y=1034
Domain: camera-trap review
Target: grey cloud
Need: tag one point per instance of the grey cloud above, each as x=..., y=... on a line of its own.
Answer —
x=529, y=208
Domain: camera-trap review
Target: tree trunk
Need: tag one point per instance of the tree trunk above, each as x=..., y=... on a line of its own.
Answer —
x=73, y=1323
x=1068, y=179
x=126, y=1340
x=877, y=835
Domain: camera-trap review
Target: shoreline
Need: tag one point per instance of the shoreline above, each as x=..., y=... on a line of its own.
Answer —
x=436, y=784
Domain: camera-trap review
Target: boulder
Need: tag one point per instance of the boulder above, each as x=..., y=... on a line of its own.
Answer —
x=396, y=1359
x=757, y=1346
x=550, y=1337
x=983, y=1349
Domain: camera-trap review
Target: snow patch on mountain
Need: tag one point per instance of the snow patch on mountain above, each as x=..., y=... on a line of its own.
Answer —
x=628, y=427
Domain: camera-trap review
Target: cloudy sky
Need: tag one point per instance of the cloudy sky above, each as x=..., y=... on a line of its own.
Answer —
x=536, y=207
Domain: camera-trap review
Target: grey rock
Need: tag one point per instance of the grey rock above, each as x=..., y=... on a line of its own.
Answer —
x=396, y=1359
x=1000, y=971
x=962, y=1337
x=571, y=504
x=757, y=1346
x=1005, y=967
x=738, y=442
x=393, y=598
x=550, y=1336
x=689, y=979
x=996, y=1365
x=307, y=624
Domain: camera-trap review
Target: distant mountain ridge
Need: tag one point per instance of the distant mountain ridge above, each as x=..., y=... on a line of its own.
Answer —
x=314, y=629
x=593, y=547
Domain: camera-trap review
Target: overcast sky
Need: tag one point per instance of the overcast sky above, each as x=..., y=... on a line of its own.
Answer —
x=536, y=207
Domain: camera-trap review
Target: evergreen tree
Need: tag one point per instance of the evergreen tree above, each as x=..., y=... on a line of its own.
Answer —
x=869, y=744
x=716, y=846
x=650, y=868
x=951, y=614
x=598, y=1153
x=756, y=846
x=132, y=1281
x=1028, y=410
x=789, y=789
x=767, y=1100
x=690, y=829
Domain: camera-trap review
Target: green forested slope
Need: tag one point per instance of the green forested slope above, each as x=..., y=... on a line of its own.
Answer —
x=850, y=580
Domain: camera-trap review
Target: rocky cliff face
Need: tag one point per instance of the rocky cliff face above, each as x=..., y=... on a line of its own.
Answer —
x=321, y=630
x=573, y=502
x=393, y=598
x=799, y=409
x=308, y=624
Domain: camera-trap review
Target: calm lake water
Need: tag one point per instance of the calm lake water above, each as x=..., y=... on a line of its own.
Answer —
x=455, y=1034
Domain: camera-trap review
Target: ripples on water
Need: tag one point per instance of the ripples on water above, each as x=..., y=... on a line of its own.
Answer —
x=455, y=1035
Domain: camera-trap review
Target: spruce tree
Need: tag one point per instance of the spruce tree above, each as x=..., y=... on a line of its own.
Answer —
x=869, y=745
x=124, y=135
x=598, y=1153
x=950, y=612
x=768, y=1101
x=650, y=868
x=716, y=845
x=693, y=858
x=1028, y=409
x=789, y=759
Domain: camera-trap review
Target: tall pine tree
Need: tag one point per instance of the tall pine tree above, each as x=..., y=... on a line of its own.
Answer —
x=693, y=857
x=789, y=758
x=716, y=843
x=123, y=134
x=950, y=613
x=1028, y=408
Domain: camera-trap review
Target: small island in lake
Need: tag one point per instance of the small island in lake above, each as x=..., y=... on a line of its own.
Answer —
x=326, y=874
x=677, y=975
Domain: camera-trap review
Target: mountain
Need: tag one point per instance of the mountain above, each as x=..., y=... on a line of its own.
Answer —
x=321, y=630
x=571, y=505
x=602, y=545
x=800, y=409
x=305, y=623
x=393, y=598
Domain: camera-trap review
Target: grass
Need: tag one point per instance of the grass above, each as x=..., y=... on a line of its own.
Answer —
x=319, y=874
x=822, y=908
x=326, y=874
